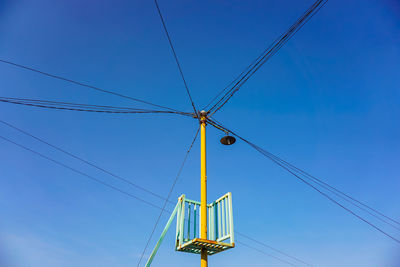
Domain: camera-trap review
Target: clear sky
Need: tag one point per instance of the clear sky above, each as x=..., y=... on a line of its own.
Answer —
x=328, y=102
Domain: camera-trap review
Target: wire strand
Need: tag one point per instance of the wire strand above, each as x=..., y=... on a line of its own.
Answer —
x=265, y=253
x=125, y=180
x=60, y=103
x=81, y=173
x=364, y=207
x=274, y=249
x=268, y=53
x=339, y=192
x=169, y=195
x=272, y=49
x=176, y=58
x=107, y=172
x=86, y=108
x=83, y=84
x=260, y=150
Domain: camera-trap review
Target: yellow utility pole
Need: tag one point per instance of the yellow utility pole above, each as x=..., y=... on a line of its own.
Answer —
x=221, y=223
x=203, y=184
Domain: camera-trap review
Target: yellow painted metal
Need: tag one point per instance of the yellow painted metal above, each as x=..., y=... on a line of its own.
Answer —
x=203, y=185
x=204, y=258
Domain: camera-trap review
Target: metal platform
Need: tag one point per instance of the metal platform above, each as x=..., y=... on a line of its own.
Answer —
x=212, y=247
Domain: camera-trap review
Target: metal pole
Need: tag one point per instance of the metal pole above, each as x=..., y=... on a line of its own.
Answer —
x=203, y=183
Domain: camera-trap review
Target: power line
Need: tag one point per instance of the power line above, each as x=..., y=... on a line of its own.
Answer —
x=265, y=253
x=125, y=180
x=385, y=219
x=85, y=107
x=81, y=173
x=176, y=58
x=297, y=175
x=84, y=110
x=135, y=112
x=105, y=171
x=321, y=183
x=84, y=84
x=169, y=195
x=69, y=104
x=268, y=53
x=268, y=154
x=259, y=242
x=232, y=82
x=49, y=102
x=338, y=192
x=362, y=206
x=335, y=191
x=274, y=249
x=337, y=203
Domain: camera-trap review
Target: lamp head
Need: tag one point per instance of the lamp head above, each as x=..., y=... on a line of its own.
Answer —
x=228, y=140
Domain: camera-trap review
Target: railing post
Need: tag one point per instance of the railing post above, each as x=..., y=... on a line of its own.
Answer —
x=231, y=218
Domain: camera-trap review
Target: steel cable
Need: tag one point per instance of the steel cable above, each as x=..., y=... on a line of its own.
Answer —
x=83, y=84
x=297, y=175
x=169, y=195
x=85, y=107
x=118, y=189
x=176, y=58
x=268, y=53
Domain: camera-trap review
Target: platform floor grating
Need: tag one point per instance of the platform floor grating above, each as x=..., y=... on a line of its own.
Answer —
x=212, y=247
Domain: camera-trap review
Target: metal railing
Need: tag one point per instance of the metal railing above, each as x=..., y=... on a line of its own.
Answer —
x=219, y=223
x=220, y=219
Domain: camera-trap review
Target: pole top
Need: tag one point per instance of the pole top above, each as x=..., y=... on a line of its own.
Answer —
x=203, y=115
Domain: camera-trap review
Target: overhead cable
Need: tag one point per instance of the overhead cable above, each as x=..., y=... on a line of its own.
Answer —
x=302, y=178
x=265, y=253
x=83, y=84
x=86, y=107
x=268, y=53
x=103, y=170
x=176, y=58
x=125, y=180
x=351, y=200
x=168, y=196
x=81, y=173
x=273, y=249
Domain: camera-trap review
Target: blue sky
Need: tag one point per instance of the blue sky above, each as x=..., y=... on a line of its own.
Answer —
x=328, y=102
